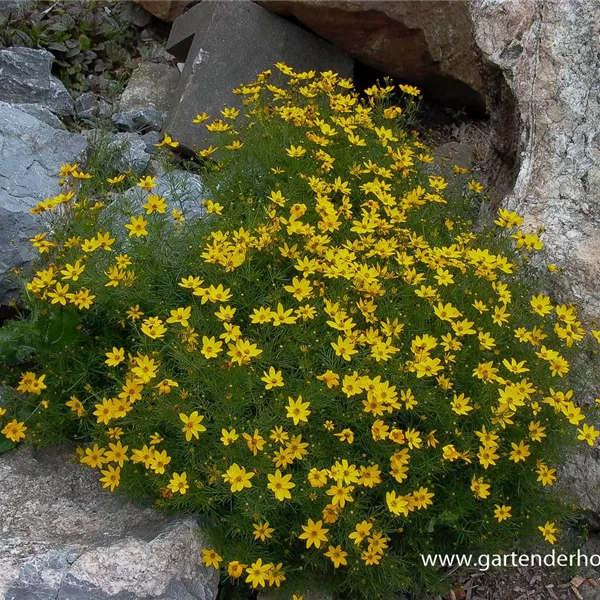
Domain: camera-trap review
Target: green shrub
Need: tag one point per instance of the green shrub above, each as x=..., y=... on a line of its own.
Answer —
x=332, y=366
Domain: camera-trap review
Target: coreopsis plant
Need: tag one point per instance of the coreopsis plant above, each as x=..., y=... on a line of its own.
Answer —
x=332, y=364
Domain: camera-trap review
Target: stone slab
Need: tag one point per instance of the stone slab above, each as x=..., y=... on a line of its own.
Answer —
x=72, y=540
x=232, y=43
x=151, y=85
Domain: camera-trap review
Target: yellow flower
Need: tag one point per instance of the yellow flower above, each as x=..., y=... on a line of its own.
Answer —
x=519, y=452
x=117, y=453
x=257, y=573
x=76, y=406
x=111, y=477
x=167, y=141
x=235, y=569
x=200, y=119
x=272, y=378
x=549, y=530
x=280, y=485
x=410, y=89
x=192, y=424
x=237, y=478
x=298, y=410
x=159, y=461
x=154, y=203
x=137, y=226
x=262, y=531
x=479, y=488
x=330, y=379
x=361, y=531
x=181, y=316
x=344, y=348
x=295, y=151
x=337, y=556
x=211, y=558
x=211, y=347
x=179, y=483
x=588, y=433
x=314, y=533
x=502, y=513
x=14, y=430
x=228, y=436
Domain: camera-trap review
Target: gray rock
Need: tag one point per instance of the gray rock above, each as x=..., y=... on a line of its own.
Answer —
x=548, y=53
x=580, y=479
x=41, y=113
x=133, y=13
x=151, y=85
x=90, y=106
x=72, y=540
x=130, y=152
x=454, y=153
x=181, y=189
x=151, y=139
x=31, y=153
x=229, y=43
x=25, y=77
x=13, y=6
x=140, y=120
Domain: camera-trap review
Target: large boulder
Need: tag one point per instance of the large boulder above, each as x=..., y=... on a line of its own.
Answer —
x=63, y=537
x=548, y=53
x=25, y=77
x=166, y=10
x=225, y=44
x=151, y=85
x=428, y=43
x=31, y=154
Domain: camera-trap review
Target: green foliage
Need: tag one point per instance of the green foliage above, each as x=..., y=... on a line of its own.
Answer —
x=92, y=46
x=333, y=327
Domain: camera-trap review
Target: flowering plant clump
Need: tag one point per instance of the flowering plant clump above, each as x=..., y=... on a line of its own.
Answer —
x=330, y=365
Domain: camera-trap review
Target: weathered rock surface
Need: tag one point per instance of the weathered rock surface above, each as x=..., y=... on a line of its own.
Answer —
x=548, y=52
x=42, y=113
x=167, y=10
x=135, y=14
x=91, y=106
x=227, y=44
x=72, y=540
x=428, y=43
x=151, y=85
x=12, y=6
x=181, y=189
x=130, y=152
x=25, y=77
x=140, y=120
x=31, y=153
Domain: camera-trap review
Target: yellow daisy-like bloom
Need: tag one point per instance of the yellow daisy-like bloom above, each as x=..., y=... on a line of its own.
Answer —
x=314, y=533
x=192, y=424
x=238, y=478
x=137, y=226
x=111, y=477
x=258, y=573
x=179, y=483
x=14, y=431
x=211, y=558
x=297, y=410
x=272, y=378
x=502, y=513
x=549, y=531
x=280, y=485
x=295, y=151
x=337, y=556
